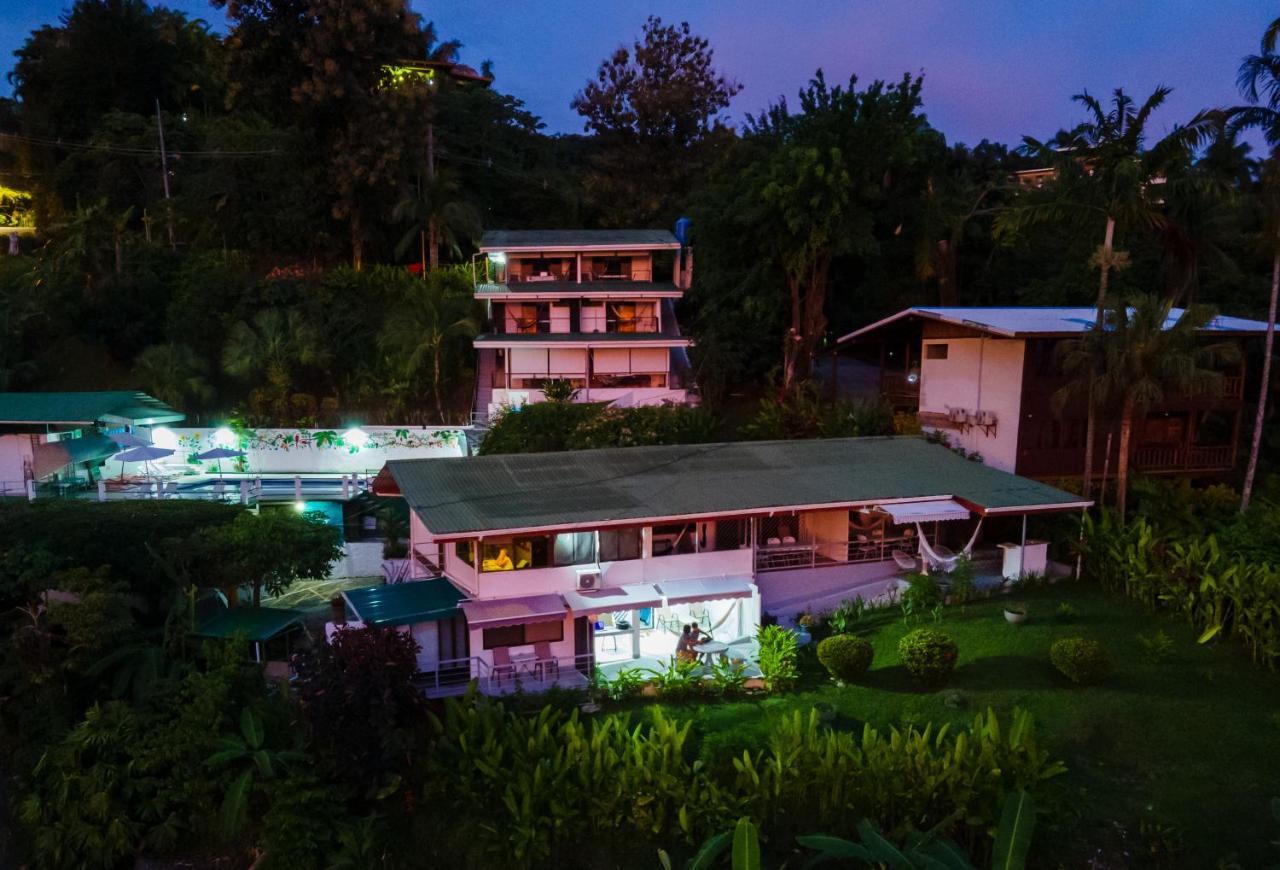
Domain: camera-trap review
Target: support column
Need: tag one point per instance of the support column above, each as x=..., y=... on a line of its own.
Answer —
x=1022, y=550
x=635, y=634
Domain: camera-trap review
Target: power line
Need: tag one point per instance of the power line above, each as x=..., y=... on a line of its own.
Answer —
x=132, y=151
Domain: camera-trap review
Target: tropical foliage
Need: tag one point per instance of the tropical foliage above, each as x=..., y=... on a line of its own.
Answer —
x=535, y=773
x=1225, y=591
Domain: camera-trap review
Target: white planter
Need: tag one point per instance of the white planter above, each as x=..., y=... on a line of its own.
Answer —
x=1015, y=618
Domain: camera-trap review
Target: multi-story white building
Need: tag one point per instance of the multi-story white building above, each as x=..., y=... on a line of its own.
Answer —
x=595, y=308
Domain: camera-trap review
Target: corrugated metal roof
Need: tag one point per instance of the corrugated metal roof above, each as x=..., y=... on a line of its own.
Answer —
x=1030, y=321
x=85, y=408
x=540, y=240
x=405, y=603
x=253, y=623
x=598, y=487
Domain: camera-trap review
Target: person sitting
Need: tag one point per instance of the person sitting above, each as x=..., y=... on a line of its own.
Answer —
x=684, y=646
x=698, y=635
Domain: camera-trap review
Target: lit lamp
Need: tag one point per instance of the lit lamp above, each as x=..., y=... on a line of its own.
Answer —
x=162, y=436
x=356, y=437
x=224, y=437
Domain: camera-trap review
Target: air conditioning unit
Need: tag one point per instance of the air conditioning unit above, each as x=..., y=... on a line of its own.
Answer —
x=589, y=580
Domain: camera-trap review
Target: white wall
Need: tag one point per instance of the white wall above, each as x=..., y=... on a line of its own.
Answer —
x=15, y=450
x=537, y=581
x=979, y=374
x=299, y=451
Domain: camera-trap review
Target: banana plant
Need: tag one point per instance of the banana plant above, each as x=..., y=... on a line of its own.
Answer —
x=247, y=752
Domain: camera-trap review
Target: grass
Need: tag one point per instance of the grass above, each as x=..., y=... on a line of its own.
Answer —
x=1172, y=762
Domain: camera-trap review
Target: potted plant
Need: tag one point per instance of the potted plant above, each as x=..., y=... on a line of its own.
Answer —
x=1015, y=613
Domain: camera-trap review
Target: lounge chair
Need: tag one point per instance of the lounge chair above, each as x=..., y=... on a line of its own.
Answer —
x=906, y=562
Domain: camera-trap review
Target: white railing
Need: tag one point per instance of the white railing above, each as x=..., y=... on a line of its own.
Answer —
x=810, y=554
x=522, y=674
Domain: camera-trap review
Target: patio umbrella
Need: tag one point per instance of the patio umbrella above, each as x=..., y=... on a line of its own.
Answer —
x=142, y=454
x=220, y=453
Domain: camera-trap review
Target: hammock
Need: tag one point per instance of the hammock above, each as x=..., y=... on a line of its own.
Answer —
x=946, y=563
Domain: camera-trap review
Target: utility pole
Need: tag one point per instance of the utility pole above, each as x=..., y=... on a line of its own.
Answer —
x=164, y=177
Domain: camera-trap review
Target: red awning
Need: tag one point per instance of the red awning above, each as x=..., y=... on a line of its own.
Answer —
x=497, y=612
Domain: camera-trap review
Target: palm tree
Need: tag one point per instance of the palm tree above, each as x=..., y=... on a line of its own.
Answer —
x=271, y=347
x=438, y=215
x=1105, y=171
x=1259, y=81
x=1136, y=356
x=423, y=326
x=173, y=373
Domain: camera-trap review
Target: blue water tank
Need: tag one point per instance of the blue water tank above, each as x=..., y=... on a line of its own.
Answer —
x=683, y=226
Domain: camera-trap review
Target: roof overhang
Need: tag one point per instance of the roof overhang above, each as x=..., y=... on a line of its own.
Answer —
x=909, y=313
x=706, y=589
x=926, y=511
x=481, y=534
x=500, y=612
x=574, y=249
x=612, y=598
x=545, y=344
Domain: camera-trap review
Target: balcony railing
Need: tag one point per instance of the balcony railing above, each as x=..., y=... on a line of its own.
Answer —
x=543, y=325
x=810, y=554
x=524, y=674
x=1179, y=457
x=569, y=276
x=898, y=387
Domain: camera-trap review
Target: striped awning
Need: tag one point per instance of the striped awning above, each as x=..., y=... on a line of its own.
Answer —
x=497, y=612
x=933, y=511
x=613, y=598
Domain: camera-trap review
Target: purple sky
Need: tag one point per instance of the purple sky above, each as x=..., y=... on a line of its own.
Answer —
x=995, y=68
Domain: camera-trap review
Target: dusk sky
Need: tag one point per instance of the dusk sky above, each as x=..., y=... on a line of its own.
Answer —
x=994, y=69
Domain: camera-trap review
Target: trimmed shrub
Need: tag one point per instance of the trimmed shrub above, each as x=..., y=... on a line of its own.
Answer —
x=1083, y=662
x=845, y=656
x=929, y=655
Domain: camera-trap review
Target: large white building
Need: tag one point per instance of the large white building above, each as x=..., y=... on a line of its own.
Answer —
x=546, y=565
x=595, y=308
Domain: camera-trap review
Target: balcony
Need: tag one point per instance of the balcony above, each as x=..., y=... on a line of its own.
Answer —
x=1164, y=458
x=589, y=325
x=901, y=389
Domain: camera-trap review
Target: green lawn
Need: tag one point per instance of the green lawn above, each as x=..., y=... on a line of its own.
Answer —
x=1181, y=755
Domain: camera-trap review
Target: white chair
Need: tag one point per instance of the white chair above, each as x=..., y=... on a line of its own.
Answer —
x=906, y=561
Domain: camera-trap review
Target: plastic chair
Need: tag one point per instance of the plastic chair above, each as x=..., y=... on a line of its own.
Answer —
x=544, y=663
x=501, y=664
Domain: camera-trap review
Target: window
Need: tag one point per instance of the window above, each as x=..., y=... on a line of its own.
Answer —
x=618, y=545
x=575, y=548
x=462, y=549
x=730, y=534
x=515, y=554
x=673, y=539
x=935, y=351
x=519, y=635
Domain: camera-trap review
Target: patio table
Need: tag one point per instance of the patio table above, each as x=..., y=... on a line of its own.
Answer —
x=709, y=649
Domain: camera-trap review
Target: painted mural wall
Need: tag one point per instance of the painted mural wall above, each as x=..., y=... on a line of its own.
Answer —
x=309, y=451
